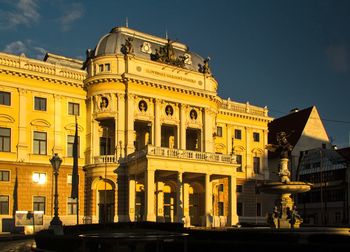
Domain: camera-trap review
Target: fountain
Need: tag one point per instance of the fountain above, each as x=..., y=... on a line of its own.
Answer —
x=284, y=216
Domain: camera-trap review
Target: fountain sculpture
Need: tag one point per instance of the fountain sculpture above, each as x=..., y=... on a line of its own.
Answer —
x=284, y=216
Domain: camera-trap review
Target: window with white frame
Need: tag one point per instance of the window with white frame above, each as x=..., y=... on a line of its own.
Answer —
x=71, y=206
x=5, y=98
x=5, y=139
x=39, y=178
x=4, y=204
x=40, y=143
x=73, y=108
x=4, y=175
x=39, y=203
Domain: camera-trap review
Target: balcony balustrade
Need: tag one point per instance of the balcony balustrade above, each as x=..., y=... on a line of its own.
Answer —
x=169, y=153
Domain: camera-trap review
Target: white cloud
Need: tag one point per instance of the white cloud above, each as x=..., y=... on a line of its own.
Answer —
x=27, y=47
x=24, y=12
x=71, y=13
x=16, y=47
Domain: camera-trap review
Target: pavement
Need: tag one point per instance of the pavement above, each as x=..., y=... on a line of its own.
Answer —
x=4, y=237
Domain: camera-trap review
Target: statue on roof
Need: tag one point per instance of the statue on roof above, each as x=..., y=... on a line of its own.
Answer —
x=166, y=54
x=127, y=47
x=205, y=67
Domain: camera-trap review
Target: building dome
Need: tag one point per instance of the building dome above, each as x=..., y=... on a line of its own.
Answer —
x=144, y=46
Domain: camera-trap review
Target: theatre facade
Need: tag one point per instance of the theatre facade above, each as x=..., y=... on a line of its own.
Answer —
x=156, y=142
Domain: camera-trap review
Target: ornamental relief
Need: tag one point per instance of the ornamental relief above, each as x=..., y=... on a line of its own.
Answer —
x=169, y=113
x=143, y=108
x=193, y=117
x=105, y=103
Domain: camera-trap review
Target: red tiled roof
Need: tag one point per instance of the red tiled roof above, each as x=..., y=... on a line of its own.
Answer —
x=292, y=124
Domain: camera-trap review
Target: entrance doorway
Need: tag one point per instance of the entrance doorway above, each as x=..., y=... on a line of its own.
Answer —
x=106, y=206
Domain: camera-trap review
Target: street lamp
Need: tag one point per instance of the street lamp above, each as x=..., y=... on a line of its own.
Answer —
x=56, y=223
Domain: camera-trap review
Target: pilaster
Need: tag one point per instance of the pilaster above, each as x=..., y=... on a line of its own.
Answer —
x=160, y=201
x=182, y=127
x=22, y=146
x=130, y=133
x=208, y=201
x=157, y=124
x=149, y=196
x=58, y=147
x=233, y=200
x=179, y=198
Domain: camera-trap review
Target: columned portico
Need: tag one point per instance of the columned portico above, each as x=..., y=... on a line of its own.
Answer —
x=179, y=197
x=208, y=201
x=149, y=196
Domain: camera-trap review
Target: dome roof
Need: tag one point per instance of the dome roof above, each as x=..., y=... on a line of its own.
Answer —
x=144, y=46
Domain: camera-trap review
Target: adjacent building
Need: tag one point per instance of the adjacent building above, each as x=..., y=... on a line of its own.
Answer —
x=328, y=201
x=156, y=142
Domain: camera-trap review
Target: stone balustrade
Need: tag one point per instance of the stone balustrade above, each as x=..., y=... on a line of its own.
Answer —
x=245, y=108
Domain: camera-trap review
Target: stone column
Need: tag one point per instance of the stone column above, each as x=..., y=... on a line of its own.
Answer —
x=57, y=124
x=157, y=124
x=182, y=127
x=120, y=128
x=95, y=147
x=160, y=201
x=249, y=161
x=116, y=139
x=186, y=205
x=130, y=133
x=208, y=123
x=233, y=200
x=265, y=156
x=22, y=145
x=208, y=202
x=179, y=198
x=149, y=196
x=132, y=197
x=229, y=138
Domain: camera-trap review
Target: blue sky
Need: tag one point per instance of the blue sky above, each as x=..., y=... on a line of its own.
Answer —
x=279, y=53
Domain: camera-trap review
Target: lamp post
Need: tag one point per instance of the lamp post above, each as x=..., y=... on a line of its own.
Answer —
x=56, y=223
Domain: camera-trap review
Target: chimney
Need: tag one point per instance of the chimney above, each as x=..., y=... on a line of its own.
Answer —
x=294, y=110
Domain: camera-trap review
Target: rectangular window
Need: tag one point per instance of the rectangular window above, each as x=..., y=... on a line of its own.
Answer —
x=40, y=143
x=73, y=108
x=107, y=67
x=72, y=206
x=40, y=103
x=239, y=188
x=239, y=208
x=4, y=204
x=256, y=137
x=258, y=209
x=70, y=142
x=221, y=208
x=5, y=139
x=5, y=98
x=39, y=203
x=39, y=178
x=238, y=134
x=100, y=68
x=219, y=131
x=256, y=165
x=4, y=175
x=239, y=162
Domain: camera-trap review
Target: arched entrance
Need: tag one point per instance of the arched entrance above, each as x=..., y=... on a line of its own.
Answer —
x=105, y=198
x=169, y=203
x=195, y=199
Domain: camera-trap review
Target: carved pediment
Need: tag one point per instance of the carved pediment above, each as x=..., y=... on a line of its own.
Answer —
x=238, y=149
x=258, y=151
x=71, y=127
x=6, y=119
x=40, y=123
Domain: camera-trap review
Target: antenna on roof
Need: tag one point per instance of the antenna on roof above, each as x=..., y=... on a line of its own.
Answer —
x=126, y=22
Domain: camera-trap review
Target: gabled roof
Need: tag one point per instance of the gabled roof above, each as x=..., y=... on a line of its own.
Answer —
x=292, y=124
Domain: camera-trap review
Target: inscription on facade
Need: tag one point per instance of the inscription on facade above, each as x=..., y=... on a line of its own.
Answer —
x=170, y=76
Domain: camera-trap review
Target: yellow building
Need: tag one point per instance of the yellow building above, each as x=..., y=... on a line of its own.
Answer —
x=156, y=141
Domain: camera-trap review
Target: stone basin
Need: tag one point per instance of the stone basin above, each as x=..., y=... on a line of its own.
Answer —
x=285, y=187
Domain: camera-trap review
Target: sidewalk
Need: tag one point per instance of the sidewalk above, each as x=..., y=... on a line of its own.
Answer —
x=13, y=237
